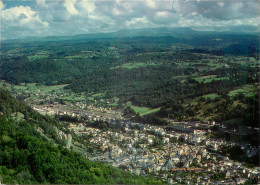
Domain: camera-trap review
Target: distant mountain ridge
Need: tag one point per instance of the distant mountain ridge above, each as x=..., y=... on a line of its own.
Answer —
x=179, y=32
x=116, y=34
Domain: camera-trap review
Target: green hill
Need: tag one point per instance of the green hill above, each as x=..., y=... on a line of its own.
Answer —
x=26, y=157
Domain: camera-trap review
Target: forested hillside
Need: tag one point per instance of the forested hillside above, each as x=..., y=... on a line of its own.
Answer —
x=177, y=74
x=26, y=157
x=65, y=60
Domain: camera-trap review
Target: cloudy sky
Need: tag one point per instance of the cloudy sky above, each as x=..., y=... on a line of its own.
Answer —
x=27, y=18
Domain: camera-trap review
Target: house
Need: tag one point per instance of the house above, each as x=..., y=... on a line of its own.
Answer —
x=142, y=172
x=180, y=151
x=220, y=169
x=169, y=165
x=150, y=169
x=241, y=180
x=136, y=171
x=213, y=158
x=228, y=163
x=150, y=141
x=170, y=181
x=165, y=140
x=175, y=160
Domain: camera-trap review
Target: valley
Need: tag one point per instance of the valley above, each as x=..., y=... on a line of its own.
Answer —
x=156, y=107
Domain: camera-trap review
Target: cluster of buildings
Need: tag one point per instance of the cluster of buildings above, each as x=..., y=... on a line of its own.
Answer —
x=180, y=156
x=89, y=112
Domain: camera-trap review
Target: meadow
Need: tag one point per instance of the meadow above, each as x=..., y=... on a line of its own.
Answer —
x=142, y=110
x=134, y=65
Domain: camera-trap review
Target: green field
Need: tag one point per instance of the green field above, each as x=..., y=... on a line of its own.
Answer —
x=211, y=96
x=93, y=96
x=246, y=61
x=247, y=90
x=31, y=87
x=134, y=65
x=70, y=98
x=209, y=78
x=98, y=95
x=73, y=97
x=38, y=55
x=115, y=103
x=252, y=59
x=203, y=64
x=142, y=110
x=18, y=116
x=76, y=57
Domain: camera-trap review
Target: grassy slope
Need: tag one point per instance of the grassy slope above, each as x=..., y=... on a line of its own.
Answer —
x=142, y=110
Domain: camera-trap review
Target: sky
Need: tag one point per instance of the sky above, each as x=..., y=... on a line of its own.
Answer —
x=37, y=18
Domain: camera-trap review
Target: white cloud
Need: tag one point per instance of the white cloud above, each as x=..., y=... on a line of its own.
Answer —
x=89, y=6
x=237, y=6
x=137, y=22
x=151, y=3
x=66, y=17
x=162, y=14
x=70, y=6
x=21, y=13
x=22, y=20
x=164, y=18
x=41, y=3
x=1, y=5
x=221, y=10
x=221, y=4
